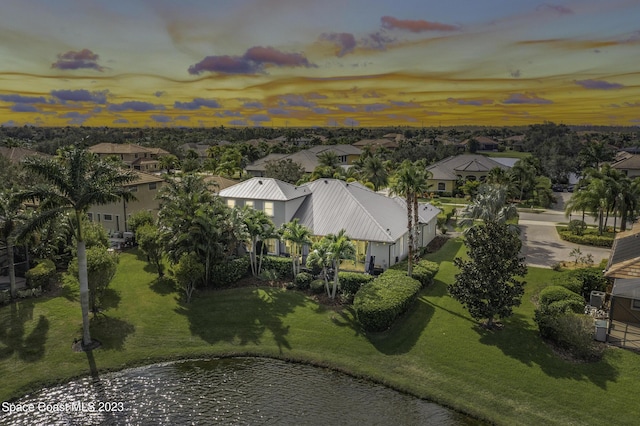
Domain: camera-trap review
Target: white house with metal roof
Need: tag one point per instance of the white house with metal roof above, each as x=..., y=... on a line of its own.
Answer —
x=376, y=223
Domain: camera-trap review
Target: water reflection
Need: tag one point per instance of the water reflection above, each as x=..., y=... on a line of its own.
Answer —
x=234, y=391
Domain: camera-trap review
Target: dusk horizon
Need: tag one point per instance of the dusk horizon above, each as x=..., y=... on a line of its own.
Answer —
x=282, y=63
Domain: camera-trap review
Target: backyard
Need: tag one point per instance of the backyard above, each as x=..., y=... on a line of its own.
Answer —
x=436, y=351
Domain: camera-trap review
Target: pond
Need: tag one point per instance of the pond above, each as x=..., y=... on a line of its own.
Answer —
x=231, y=391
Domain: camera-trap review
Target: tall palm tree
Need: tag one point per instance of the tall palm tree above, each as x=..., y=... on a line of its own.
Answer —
x=11, y=216
x=405, y=183
x=260, y=227
x=75, y=180
x=298, y=235
x=374, y=171
x=320, y=257
x=421, y=186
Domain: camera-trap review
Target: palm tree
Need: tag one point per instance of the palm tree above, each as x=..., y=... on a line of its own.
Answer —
x=298, y=235
x=76, y=179
x=11, y=216
x=489, y=204
x=319, y=257
x=260, y=227
x=523, y=174
x=421, y=185
x=374, y=171
x=340, y=247
x=406, y=178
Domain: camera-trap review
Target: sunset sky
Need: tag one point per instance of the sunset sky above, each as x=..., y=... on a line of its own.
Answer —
x=343, y=63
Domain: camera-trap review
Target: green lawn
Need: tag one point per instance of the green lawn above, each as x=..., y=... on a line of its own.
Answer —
x=436, y=351
x=507, y=154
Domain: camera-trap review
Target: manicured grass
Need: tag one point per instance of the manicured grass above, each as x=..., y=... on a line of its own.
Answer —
x=436, y=351
x=507, y=154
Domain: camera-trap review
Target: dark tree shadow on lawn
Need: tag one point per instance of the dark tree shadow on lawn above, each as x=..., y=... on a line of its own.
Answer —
x=110, y=299
x=110, y=331
x=405, y=331
x=519, y=339
x=216, y=318
x=13, y=338
x=163, y=286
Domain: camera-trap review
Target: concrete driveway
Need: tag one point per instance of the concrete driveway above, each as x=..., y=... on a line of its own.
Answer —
x=541, y=244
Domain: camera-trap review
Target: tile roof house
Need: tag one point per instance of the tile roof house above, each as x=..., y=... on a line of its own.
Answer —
x=17, y=154
x=135, y=156
x=375, y=222
x=307, y=158
x=445, y=173
x=624, y=307
x=629, y=164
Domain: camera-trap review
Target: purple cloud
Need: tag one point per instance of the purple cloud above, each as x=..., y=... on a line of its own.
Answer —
x=598, y=84
x=415, y=26
x=135, y=106
x=258, y=118
x=561, y=10
x=76, y=118
x=159, y=93
x=81, y=95
x=278, y=111
x=253, y=61
x=378, y=41
x=321, y=110
x=375, y=107
x=295, y=101
x=73, y=60
x=19, y=99
x=121, y=121
x=472, y=102
x=519, y=98
x=347, y=108
x=238, y=123
x=228, y=113
x=345, y=42
x=351, y=122
x=197, y=103
x=257, y=105
x=19, y=107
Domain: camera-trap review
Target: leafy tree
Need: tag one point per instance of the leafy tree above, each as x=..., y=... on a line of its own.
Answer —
x=138, y=219
x=150, y=243
x=188, y=273
x=489, y=205
x=523, y=175
x=298, y=235
x=169, y=162
x=333, y=249
x=285, y=170
x=101, y=268
x=76, y=180
x=375, y=171
x=486, y=284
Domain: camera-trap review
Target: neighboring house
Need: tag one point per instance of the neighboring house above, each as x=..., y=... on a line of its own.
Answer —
x=376, y=223
x=485, y=143
x=628, y=164
x=218, y=183
x=17, y=154
x=375, y=144
x=624, y=307
x=307, y=158
x=135, y=156
x=446, y=173
x=114, y=216
x=199, y=148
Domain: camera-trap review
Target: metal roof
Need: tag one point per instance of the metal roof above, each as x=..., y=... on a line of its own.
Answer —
x=446, y=169
x=364, y=214
x=261, y=188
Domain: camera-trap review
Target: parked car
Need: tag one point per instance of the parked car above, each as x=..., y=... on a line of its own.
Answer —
x=557, y=188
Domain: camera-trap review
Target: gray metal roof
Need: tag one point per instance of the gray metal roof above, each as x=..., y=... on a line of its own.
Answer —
x=447, y=169
x=261, y=188
x=364, y=214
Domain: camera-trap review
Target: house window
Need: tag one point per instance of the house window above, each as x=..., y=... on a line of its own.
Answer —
x=231, y=203
x=248, y=203
x=441, y=186
x=107, y=217
x=152, y=185
x=90, y=217
x=268, y=208
x=635, y=304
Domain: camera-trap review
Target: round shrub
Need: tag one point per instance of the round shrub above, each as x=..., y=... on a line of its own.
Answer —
x=317, y=286
x=42, y=275
x=555, y=293
x=303, y=280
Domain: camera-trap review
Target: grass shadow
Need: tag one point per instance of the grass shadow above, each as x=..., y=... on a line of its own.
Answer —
x=242, y=316
x=520, y=340
x=110, y=299
x=13, y=332
x=112, y=332
x=163, y=286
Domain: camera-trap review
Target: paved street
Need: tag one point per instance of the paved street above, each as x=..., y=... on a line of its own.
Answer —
x=541, y=244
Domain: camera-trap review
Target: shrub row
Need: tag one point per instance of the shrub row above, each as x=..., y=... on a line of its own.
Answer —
x=583, y=281
x=282, y=265
x=423, y=270
x=42, y=275
x=379, y=303
x=587, y=239
x=350, y=282
x=229, y=272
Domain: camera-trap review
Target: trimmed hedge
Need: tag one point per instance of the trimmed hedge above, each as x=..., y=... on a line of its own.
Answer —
x=423, y=270
x=282, y=265
x=350, y=282
x=587, y=239
x=303, y=280
x=229, y=272
x=379, y=303
x=42, y=275
x=556, y=293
